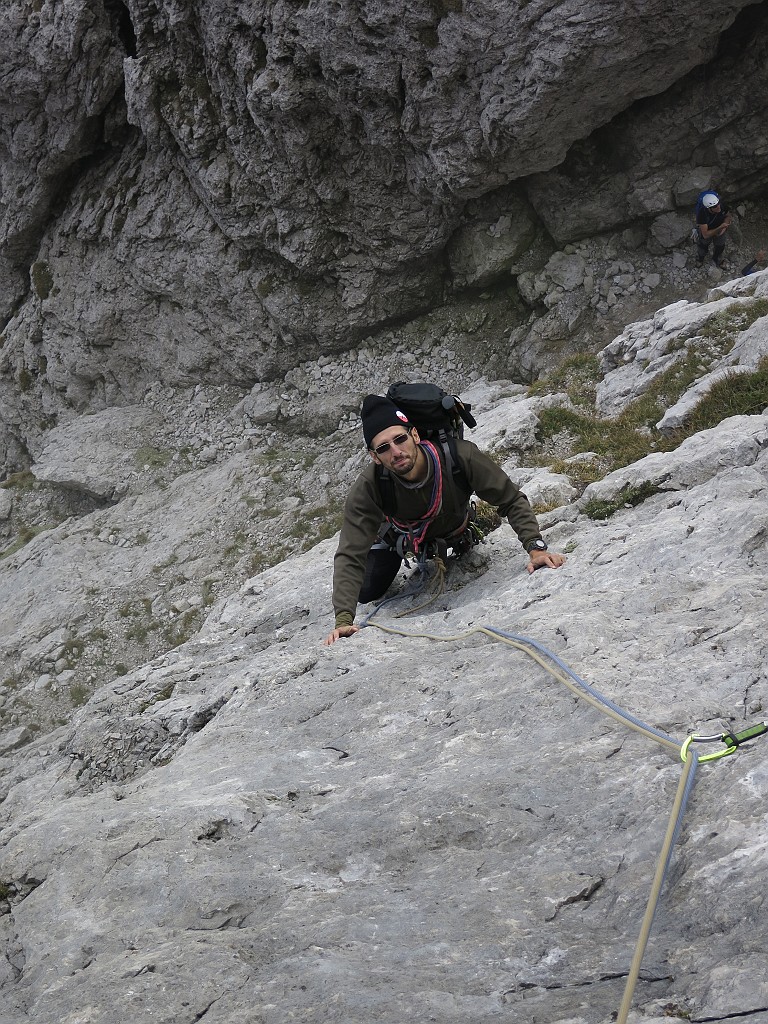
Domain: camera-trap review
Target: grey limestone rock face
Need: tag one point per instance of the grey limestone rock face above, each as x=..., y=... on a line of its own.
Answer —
x=398, y=827
x=62, y=94
x=266, y=818
x=404, y=78
x=236, y=188
x=729, y=332
x=218, y=224
x=704, y=132
x=99, y=454
x=494, y=233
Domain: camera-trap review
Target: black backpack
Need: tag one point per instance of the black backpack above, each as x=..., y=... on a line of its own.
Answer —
x=439, y=418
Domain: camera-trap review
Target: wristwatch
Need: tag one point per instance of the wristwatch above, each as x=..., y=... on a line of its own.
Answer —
x=537, y=545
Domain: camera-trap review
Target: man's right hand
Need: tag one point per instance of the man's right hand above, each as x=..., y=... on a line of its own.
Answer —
x=337, y=634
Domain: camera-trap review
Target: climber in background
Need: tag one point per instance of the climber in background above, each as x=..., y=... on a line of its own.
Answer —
x=712, y=222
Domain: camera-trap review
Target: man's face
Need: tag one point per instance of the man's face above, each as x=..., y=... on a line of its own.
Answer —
x=401, y=455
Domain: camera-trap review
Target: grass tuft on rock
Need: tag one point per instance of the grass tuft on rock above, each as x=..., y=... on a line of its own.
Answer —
x=737, y=394
x=632, y=435
x=725, y=325
x=24, y=480
x=23, y=537
x=604, y=508
x=577, y=376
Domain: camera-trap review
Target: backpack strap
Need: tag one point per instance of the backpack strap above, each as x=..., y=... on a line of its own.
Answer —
x=450, y=450
x=386, y=487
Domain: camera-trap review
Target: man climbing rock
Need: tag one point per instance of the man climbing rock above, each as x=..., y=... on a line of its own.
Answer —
x=431, y=507
x=712, y=222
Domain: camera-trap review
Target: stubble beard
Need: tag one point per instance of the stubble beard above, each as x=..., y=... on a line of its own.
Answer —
x=406, y=466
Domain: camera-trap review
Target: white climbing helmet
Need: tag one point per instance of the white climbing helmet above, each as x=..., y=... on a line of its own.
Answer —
x=710, y=200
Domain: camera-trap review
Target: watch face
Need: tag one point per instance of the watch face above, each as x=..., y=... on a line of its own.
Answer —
x=540, y=545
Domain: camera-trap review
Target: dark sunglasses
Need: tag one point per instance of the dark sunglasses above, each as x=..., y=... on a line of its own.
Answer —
x=398, y=439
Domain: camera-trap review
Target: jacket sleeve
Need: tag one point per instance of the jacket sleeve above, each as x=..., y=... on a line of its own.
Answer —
x=492, y=484
x=362, y=519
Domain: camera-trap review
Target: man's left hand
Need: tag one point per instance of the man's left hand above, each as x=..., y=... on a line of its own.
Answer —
x=545, y=560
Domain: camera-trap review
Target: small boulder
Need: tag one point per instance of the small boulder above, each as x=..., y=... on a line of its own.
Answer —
x=671, y=229
x=566, y=270
x=13, y=739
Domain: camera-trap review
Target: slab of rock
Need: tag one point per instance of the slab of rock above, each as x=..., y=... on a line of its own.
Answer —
x=99, y=454
x=323, y=801
x=544, y=489
x=495, y=234
x=511, y=423
x=691, y=182
x=671, y=229
x=676, y=416
x=13, y=739
x=737, y=441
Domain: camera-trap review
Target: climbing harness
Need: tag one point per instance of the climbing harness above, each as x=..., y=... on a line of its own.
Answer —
x=463, y=539
x=690, y=757
x=435, y=552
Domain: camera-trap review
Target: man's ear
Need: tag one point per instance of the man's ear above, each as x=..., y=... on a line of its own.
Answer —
x=415, y=435
x=374, y=456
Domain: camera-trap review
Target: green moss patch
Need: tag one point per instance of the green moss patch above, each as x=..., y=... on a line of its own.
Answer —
x=600, y=508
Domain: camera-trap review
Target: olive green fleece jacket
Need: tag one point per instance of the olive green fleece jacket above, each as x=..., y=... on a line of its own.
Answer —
x=363, y=515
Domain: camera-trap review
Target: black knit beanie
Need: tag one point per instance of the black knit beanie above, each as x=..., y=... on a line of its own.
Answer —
x=379, y=413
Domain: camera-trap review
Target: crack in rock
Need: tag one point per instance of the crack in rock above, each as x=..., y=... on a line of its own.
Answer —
x=582, y=896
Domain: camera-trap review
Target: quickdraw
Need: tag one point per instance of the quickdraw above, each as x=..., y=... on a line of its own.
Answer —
x=732, y=741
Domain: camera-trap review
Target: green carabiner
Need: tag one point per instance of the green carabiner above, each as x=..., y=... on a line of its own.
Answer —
x=705, y=757
x=732, y=741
